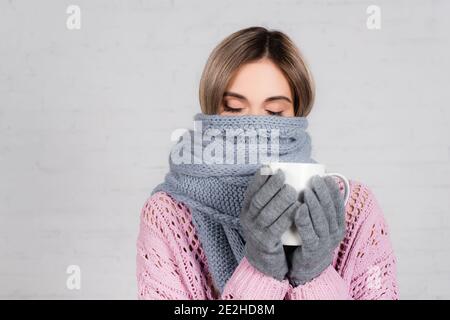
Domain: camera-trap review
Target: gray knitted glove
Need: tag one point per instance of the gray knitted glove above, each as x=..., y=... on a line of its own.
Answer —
x=267, y=212
x=321, y=223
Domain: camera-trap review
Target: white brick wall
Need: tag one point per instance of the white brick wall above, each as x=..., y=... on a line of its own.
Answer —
x=85, y=119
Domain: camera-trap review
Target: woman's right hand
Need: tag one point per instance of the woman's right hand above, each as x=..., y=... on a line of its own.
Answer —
x=268, y=211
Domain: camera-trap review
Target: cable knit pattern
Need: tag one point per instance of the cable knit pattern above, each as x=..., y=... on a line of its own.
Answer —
x=171, y=263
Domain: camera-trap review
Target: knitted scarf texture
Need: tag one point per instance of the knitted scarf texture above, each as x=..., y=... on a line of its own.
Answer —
x=210, y=168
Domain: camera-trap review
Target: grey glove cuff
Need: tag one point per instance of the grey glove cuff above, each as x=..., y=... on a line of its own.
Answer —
x=300, y=278
x=273, y=264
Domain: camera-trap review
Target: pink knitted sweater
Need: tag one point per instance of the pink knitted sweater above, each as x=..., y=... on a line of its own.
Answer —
x=171, y=263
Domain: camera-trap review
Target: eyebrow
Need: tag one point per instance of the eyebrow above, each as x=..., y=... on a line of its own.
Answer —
x=239, y=96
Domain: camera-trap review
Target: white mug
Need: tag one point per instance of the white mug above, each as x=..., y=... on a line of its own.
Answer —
x=298, y=175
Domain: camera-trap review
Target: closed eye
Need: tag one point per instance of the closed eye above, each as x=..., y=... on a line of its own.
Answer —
x=229, y=109
x=272, y=113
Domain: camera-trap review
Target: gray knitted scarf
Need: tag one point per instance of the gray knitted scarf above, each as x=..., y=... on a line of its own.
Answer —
x=210, y=168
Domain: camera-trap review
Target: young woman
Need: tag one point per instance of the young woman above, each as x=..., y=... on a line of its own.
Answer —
x=212, y=230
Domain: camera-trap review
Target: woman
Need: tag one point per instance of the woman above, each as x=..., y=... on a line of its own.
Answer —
x=212, y=230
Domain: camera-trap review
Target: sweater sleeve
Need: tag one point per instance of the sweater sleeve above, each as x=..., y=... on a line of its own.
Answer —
x=327, y=286
x=170, y=263
x=248, y=283
x=372, y=261
x=365, y=258
x=168, y=260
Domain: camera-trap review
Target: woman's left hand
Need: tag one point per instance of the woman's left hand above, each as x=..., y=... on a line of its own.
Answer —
x=320, y=220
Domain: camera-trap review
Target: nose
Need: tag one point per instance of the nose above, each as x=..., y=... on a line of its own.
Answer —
x=256, y=111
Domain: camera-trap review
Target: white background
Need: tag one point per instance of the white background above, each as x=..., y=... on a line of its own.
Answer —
x=86, y=117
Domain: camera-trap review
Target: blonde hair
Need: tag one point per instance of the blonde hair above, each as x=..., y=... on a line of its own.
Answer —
x=249, y=45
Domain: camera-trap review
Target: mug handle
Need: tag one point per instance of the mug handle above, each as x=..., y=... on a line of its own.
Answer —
x=346, y=184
